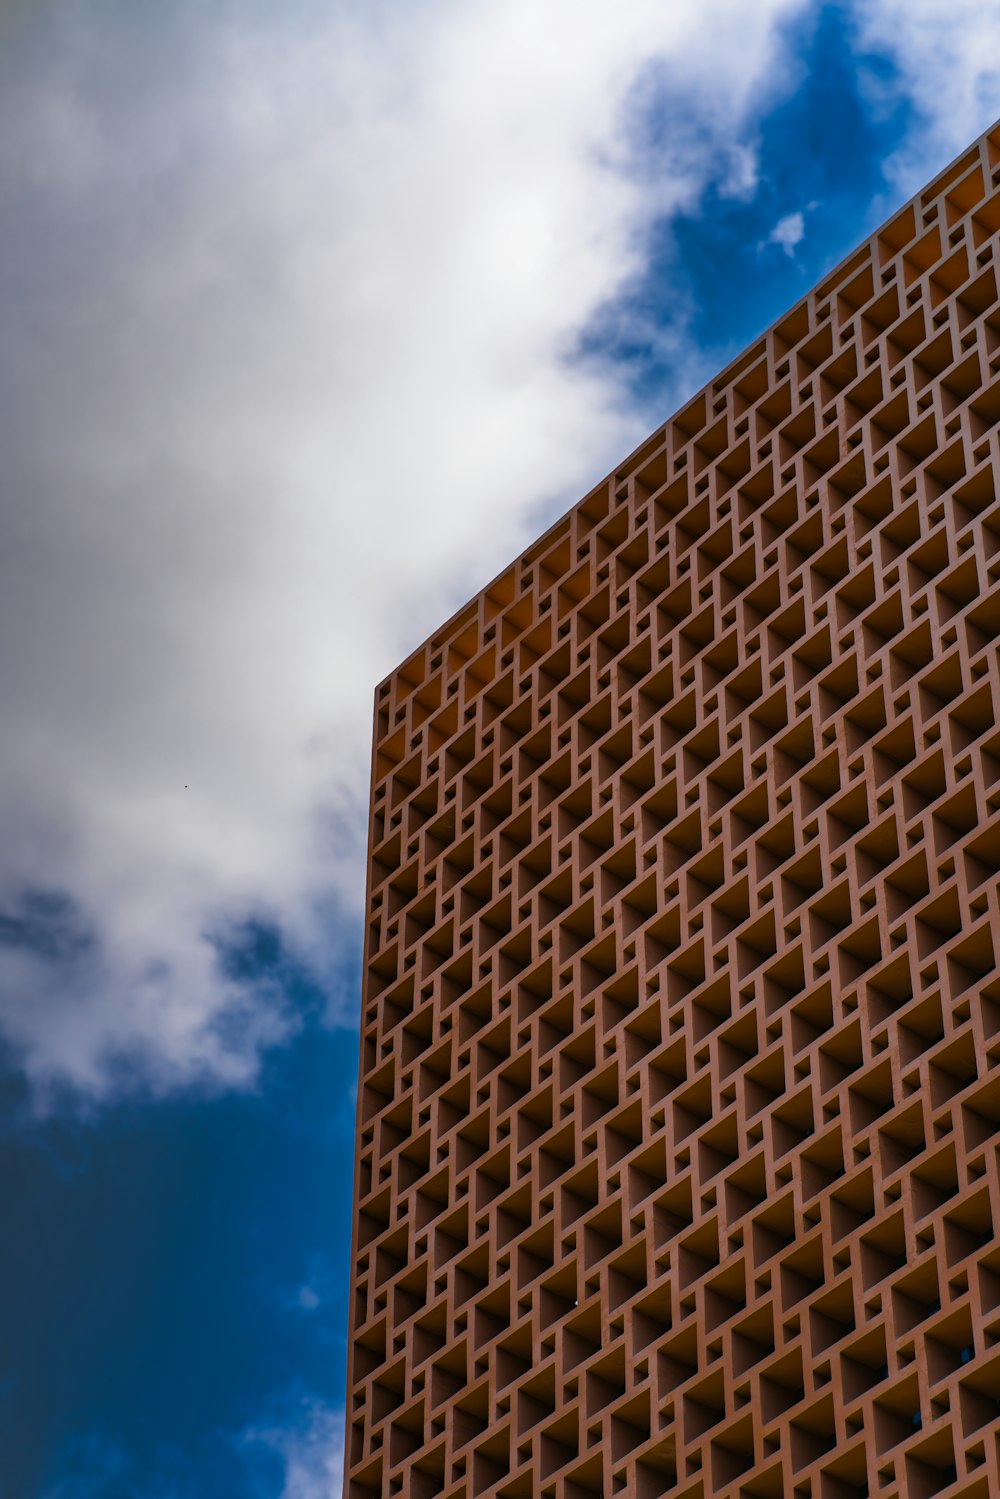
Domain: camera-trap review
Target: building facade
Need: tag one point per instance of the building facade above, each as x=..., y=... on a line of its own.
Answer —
x=679, y=1104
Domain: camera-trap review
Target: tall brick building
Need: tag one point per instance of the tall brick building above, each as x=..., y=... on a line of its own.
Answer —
x=679, y=1110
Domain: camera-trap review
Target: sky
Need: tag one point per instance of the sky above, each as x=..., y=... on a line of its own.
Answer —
x=313, y=316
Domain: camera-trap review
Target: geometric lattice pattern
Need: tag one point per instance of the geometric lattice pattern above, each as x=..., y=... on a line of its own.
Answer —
x=679, y=1111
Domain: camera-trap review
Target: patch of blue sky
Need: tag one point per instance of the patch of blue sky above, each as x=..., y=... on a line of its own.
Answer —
x=154, y=1263
x=47, y=924
x=718, y=274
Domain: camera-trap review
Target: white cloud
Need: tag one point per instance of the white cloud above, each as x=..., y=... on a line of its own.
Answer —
x=947, y=63
x=788, y=232
x=289, y=303
x=741, y=180
x=310, y=1444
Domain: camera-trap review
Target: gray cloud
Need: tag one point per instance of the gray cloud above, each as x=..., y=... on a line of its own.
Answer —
x=289, y=306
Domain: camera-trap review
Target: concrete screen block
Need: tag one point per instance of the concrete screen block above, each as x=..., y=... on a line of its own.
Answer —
x=680, y=1061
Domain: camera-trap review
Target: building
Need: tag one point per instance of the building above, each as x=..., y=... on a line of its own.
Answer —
x=679, y=1110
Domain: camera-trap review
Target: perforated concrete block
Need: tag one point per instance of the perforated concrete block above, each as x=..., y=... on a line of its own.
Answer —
x=679, y=1104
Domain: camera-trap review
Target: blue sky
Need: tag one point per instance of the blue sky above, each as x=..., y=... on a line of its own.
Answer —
x=311, y=321
x=176, y=1276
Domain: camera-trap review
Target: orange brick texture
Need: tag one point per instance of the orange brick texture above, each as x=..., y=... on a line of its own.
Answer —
x=679, y=1106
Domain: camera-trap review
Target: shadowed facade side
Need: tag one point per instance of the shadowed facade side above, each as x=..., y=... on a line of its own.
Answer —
x=679, y=1112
